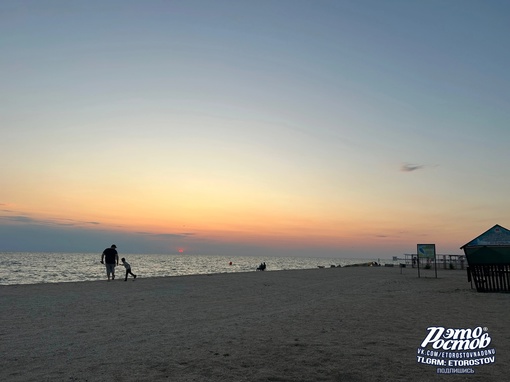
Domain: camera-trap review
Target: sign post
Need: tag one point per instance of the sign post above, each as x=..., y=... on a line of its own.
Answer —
x=427, y=251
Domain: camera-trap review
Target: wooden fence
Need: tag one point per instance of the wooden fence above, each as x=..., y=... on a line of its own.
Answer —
x=490, y=278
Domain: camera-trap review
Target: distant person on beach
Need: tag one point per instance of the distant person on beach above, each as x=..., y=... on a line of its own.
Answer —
x=261, y=267
x=128, y=269
x=110, y=256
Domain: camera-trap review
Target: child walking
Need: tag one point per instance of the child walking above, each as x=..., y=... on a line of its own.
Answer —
x=128, y=269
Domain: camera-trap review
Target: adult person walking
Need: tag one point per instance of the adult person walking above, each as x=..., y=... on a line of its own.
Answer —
x=110, y=256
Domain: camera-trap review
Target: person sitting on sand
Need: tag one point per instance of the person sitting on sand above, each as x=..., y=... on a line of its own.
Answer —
x=128, y=269
x=261, y=267
x=111, y=257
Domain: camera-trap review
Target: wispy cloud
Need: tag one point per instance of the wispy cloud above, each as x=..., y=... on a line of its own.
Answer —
x=49, y=221
x=4, y=207
x=20, y=219
x=170, y=235
x=167, y=235
x=72, y=222
x=409, y=167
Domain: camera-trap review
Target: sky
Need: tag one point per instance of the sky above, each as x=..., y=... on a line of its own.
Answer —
x=353, y=129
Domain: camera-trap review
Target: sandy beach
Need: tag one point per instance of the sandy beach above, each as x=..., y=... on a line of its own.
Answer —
x=333, y=324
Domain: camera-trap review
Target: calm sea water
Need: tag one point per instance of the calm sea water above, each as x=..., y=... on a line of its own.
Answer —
x=36, y=268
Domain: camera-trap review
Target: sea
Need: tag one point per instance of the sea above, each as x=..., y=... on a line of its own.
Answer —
x=37, y=268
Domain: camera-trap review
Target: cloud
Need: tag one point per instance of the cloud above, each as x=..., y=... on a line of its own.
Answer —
x=172, y=235
x=19, y=219
x=49, y=222
x=166, y=235
x=408, y=167
x=69, y=222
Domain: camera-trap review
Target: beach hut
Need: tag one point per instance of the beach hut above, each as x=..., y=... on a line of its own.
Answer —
x=488, y=257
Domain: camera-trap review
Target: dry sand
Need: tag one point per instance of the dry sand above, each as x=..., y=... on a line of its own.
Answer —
x=338, y=324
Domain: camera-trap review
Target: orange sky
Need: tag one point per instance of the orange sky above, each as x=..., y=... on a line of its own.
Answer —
x=346, y=130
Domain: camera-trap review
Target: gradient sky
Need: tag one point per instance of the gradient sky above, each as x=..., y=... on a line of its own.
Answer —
x=312, y=128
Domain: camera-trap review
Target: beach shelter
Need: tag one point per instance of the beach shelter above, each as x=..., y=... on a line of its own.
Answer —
x=488, y=257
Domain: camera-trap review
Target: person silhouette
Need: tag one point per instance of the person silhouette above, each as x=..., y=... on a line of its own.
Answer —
x=110, y=258
x=128, y=269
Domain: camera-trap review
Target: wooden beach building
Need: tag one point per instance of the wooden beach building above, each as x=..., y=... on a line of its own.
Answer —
x=488, y=258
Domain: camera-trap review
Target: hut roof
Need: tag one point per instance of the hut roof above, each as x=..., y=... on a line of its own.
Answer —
x=495, y=236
